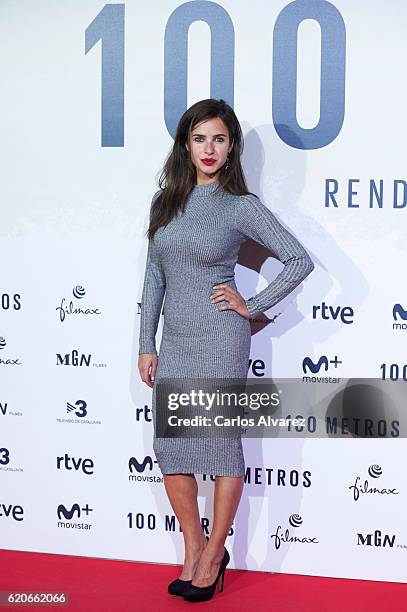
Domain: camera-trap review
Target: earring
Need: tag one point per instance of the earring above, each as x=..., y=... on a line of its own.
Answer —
x=227, y=163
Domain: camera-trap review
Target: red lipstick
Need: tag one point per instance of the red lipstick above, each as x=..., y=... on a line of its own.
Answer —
x=208, y=161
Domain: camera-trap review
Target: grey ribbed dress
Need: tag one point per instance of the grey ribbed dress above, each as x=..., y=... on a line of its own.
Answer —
x=198, y=249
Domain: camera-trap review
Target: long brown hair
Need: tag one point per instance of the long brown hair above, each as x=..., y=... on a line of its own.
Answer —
x=178, y=175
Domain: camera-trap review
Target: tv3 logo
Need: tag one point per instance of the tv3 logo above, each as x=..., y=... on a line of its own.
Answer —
x=79, y=408
x=4, y=456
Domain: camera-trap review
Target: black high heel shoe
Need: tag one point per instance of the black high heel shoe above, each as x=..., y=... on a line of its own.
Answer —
x=178, y=586
x=194, y=593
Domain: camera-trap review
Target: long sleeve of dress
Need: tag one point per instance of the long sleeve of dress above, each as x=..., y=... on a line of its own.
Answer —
x=254, y=220
x=151, y=300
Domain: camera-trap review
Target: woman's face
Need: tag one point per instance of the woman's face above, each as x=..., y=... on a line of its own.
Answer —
x=209, y=146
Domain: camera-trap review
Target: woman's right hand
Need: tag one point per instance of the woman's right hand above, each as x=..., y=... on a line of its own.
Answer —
x=147, y=366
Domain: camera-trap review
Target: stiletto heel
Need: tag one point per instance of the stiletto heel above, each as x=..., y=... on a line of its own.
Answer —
x=195, y=593
x=221, y=581
x=178, y=586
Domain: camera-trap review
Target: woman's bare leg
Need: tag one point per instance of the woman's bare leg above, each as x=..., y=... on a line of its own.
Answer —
x=228, y=491
x=182, y=491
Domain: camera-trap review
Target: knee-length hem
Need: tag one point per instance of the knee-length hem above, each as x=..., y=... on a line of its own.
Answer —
x=169, y=464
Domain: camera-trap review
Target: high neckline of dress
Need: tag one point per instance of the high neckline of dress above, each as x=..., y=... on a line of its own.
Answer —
x=205, y=189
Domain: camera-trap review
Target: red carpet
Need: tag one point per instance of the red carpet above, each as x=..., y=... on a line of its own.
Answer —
x=105, y=585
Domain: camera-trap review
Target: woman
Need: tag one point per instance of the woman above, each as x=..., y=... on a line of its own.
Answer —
x=198, y=220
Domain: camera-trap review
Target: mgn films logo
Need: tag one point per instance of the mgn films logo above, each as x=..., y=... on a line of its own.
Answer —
x=4, y=358
x=140, y=471
x=375, y=488
x=378, y=539
x=5, y=410
x=70, y=308
x=74, y=517
x=325, y=364
x=400, y=317
x=78, y=360
x=292, y=533
x=76, y=413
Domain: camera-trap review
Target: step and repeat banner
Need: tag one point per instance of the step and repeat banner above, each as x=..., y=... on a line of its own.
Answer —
x=91, y=96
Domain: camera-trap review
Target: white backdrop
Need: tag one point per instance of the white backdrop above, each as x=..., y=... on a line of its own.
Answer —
x=77, y=178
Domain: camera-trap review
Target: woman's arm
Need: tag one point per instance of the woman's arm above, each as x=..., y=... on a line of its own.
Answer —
x=151, y=300
x=254, y=220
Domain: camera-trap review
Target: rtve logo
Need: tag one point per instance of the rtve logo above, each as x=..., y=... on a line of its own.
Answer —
x=325, y=312
x=144, y=413
x=10, y=511
x=79, y=465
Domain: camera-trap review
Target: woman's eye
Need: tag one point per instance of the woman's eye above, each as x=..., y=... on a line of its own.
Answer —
x=199, y=139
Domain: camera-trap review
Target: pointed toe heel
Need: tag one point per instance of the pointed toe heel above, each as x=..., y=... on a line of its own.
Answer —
x=194, y=593
x=178, y=586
